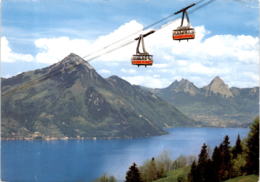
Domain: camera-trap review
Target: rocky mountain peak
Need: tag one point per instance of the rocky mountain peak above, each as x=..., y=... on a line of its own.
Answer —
x=217, y=80
x=75, y=60
x=184, y=86
x=71, y=70
x=218, y=86
x=185, y=83
x=181, y=83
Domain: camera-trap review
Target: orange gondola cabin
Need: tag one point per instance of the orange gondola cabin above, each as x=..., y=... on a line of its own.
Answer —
x=184, y=32
x=142, y=58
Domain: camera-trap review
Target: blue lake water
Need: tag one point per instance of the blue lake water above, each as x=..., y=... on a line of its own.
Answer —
x=85, y=160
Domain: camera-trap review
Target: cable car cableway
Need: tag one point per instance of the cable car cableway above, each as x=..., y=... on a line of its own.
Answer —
x=184, y=32
x=142, y=58
x=101, y=52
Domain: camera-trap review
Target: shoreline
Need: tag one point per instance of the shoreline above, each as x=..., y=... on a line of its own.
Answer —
x=48, y=138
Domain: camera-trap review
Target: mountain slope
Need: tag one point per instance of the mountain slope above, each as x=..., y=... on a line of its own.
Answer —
x=70, y=99
x=215, y=104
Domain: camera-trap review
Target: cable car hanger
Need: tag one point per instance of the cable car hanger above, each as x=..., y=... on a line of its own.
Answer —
x=184, y=32
x=142, y=58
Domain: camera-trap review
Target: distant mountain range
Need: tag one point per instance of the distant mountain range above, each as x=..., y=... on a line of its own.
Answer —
x=215, y=104
x=71, y=100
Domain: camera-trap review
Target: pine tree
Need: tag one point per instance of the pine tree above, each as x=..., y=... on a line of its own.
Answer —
x=202, y=168
x=203, y=156
x=193, y=175
x=216, y=162
x=252, y=159
x=211, y=174
x=133, y=174
x=238, y=148
x=226, y=164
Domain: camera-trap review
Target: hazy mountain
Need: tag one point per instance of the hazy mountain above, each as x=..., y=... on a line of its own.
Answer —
x=183, y=86
x=70, y=99
x=217, y=86
x=215, y=104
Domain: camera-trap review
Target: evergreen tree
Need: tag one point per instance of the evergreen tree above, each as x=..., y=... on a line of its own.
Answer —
x=216, y=162
x=193, y=175
x=203, y=165
x=226, y=164
x=203, y=156
x=133, y=174
x=252, y=159
x=211, y=175
x=238, y=148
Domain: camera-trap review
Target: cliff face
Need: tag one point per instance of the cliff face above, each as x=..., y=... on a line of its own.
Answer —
x=71, y=100
x=217, y=86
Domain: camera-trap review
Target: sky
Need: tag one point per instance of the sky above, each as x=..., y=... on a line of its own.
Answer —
x=38, y=33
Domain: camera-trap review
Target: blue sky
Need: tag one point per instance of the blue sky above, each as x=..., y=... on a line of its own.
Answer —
x=37, y=33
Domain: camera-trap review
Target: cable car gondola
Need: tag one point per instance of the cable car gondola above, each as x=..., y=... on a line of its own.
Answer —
x=142, y=58
x=184, y=32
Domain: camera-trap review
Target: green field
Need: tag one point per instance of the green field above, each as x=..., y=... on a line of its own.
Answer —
x=250, y=178
x=173, y=175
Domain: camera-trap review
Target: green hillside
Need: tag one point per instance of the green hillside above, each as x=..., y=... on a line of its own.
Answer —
x=175, y=175
x=249, y=178
x=182, y=174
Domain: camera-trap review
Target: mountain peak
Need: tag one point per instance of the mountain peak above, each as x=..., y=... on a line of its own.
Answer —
x=183, y=86
x=75, y=59
x=217, y=79
x=218, y=86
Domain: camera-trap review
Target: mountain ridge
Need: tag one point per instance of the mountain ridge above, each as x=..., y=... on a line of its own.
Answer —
x=71, y=100
x=214, y=104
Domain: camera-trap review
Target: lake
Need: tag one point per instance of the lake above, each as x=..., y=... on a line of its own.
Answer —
x=85, y=160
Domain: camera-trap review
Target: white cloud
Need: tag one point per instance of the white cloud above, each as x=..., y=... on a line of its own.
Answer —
x=243, y=48
x=253, y=76
x=166, y=51
x=8, y=55
x=157, y=65
x=104, y=71
x=128, y=71
x=207, y=55
x=52, y=50
x=148, y=81
x=203, y=70
x=182, y=62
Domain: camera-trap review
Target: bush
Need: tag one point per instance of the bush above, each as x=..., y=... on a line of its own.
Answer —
x=106, y=178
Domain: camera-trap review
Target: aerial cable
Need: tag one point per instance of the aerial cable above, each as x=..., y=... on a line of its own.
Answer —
x=201, y=6
x=138, y=31
x=132, y=34
x=55, y=72
x=145, y=28
x=109, y=51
